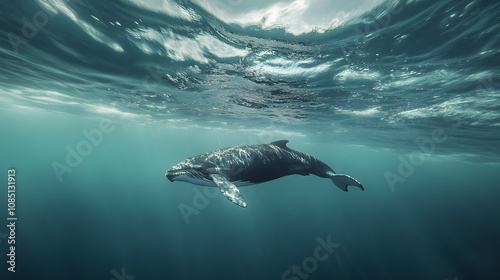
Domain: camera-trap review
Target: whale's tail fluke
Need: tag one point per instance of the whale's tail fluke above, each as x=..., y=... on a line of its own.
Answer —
x=342, y=181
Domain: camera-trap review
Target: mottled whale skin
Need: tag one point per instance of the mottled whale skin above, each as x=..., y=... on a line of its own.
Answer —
x=252, y=164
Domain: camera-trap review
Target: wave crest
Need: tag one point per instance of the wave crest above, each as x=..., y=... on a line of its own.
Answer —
x=295, y=17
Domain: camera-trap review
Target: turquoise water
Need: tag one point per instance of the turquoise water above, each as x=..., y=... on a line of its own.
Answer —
x=116, y=209
x=105, y=96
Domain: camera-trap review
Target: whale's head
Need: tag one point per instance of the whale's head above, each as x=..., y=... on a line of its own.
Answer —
x=187, y=173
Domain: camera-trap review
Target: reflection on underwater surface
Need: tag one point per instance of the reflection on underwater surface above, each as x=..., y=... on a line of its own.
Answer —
x=392, y=72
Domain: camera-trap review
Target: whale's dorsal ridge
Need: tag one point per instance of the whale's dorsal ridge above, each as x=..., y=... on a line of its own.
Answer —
x=280, y=143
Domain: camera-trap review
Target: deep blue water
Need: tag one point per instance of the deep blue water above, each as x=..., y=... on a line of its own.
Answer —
x=402, y=95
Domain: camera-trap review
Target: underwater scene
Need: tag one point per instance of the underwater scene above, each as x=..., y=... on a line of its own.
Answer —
x=250, y=140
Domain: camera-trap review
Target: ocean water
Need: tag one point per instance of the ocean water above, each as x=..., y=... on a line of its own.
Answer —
x=99, y=98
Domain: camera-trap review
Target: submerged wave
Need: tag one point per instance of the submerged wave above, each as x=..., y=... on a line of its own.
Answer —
x=382, y=73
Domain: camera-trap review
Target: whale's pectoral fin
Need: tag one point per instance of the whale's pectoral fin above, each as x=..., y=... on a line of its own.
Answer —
x=229, y=190
x=342, y=181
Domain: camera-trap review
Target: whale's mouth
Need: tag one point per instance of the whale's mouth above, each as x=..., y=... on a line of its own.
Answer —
x=170, y=176
x=173, y=174
x=187, y=175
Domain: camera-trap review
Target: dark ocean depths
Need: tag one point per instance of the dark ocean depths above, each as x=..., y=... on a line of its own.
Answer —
x=99, y=98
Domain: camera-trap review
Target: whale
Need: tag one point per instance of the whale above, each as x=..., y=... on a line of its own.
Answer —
x=245, y=165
